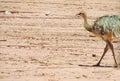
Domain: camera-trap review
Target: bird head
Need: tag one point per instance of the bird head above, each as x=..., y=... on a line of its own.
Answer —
x=81, y=14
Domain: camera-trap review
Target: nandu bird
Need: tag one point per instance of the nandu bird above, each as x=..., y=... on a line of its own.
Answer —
x=105, y=27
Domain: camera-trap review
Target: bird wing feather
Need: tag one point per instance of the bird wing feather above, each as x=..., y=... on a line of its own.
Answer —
x=108, y=24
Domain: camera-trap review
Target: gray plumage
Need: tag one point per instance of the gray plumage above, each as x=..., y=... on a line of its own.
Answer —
x=106, y=24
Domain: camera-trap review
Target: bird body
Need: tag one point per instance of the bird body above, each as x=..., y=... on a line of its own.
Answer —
x=105, y=27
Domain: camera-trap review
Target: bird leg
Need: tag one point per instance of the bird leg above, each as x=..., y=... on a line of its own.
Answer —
x=105, y=51
x=112, y=49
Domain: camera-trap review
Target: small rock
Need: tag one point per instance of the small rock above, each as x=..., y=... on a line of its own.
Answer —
x=93, y=55
x=7, y=12
x=46, y=14
x=84, y=76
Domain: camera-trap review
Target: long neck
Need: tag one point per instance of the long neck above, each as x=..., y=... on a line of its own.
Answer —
x=86, y=25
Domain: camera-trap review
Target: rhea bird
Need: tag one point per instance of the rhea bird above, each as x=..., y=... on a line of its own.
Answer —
x=105, y=27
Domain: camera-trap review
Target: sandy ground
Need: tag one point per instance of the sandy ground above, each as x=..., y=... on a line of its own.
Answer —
x=42, y=40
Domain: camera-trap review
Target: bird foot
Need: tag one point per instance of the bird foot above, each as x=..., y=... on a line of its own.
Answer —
x=115, y=66
x=96, y=65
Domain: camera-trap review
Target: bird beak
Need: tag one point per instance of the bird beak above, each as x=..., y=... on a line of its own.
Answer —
x=77, y=15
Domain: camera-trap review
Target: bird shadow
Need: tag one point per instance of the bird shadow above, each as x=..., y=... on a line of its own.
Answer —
x=95, y=66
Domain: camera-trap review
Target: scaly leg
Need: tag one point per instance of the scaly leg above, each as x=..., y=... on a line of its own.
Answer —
x=105, y=51
x=112, y=49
